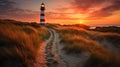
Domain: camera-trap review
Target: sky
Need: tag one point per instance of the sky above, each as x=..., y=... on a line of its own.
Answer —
x=89, y=12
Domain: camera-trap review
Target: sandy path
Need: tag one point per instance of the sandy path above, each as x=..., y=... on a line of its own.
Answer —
x=61, y=59
x=41, y=56
x=51, y=54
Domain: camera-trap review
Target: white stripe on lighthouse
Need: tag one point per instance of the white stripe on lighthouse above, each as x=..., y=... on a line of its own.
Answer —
x=41, y=17
x=42, y=22
x=42, y=12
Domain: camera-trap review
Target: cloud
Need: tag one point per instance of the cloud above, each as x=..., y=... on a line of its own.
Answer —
x=10, y=10
x=89, y=10
x=6, y=6
x=96, y=8
x=59, y=16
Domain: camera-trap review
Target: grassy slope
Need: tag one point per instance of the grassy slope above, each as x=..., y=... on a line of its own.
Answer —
x=77, y=40
x=19, y=42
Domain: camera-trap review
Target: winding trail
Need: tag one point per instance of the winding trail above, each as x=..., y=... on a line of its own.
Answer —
x=57, y=57
x=53, y=59
x=43, y=53
x=51, y=54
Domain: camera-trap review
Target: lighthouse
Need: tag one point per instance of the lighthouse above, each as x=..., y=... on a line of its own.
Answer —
x=42, y=14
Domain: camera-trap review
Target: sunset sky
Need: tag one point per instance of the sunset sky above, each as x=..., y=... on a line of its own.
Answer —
x=90, y=12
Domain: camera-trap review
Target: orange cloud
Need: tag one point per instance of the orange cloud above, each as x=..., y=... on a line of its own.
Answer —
x=96, y=8
x=90, y=11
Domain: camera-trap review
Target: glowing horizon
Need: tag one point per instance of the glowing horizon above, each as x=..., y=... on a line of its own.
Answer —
x=89, y=12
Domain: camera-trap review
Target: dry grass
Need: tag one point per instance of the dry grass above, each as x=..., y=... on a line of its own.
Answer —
x=78, y=40
x=19, y=43
x=112, y=38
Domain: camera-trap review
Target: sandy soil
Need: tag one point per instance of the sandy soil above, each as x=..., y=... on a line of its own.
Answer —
x=61, y=59
x=41, y=56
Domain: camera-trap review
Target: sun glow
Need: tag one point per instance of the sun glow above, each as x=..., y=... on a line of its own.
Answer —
x=81, y=21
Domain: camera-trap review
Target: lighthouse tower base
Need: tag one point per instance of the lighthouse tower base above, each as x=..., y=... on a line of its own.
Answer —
x=42, y=23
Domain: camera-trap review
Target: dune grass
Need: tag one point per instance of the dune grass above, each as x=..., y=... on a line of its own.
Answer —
x=77, y=40
x=19, y=43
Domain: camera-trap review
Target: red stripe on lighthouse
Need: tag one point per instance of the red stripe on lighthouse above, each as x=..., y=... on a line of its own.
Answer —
x=42, y=19
x=42, y=14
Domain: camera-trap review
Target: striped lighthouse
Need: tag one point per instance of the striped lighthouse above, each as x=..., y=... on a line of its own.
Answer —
x=42, y=14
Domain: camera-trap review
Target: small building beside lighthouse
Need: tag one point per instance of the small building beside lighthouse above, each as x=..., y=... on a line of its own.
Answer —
x=42, y=14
